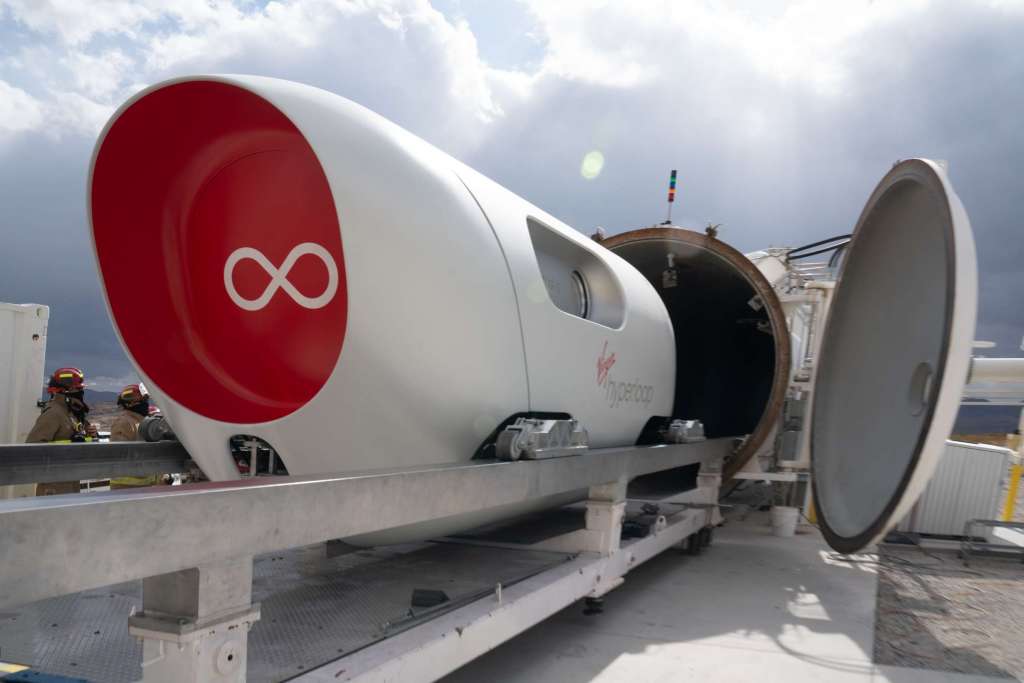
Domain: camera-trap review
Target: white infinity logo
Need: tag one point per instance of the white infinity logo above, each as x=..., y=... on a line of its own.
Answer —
x=279, y=277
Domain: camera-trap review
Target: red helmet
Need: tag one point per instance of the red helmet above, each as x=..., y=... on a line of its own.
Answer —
x=132, y=394
x=66, y=380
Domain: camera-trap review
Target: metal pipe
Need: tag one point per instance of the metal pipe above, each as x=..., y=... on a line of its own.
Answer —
x=996, y=370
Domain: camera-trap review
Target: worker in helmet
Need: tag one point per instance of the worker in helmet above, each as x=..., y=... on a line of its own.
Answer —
x=134, y=403
x=64, y=419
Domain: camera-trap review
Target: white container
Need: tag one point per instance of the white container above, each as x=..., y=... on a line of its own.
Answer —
x=22, y=358
x=967, y=484
x=784, y=520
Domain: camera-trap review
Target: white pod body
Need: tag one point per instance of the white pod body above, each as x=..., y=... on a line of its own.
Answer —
x=454, y=311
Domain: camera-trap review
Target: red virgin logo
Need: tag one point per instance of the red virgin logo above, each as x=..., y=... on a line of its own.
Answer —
x=604, y=364
x=619, y=392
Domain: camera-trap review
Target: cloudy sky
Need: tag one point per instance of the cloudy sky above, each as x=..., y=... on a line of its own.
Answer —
x=780, y=117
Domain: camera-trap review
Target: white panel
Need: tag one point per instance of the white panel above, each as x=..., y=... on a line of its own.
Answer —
x=967, y=484
x=22, y=364
x=22, y=357
x=772, y=267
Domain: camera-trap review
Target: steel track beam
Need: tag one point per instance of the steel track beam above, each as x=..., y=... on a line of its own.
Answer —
x=64, y=544
x=37, y=463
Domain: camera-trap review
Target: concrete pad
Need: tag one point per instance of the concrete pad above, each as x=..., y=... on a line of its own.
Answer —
x=601, y=659
x=752, y=604
x=899, y=674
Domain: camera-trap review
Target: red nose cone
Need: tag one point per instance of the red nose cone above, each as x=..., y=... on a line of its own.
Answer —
x=220, y=251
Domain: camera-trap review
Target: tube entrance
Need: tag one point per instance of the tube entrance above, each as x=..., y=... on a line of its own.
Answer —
x=732, y=347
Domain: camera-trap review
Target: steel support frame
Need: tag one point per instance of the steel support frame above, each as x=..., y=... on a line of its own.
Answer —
x=197, y=606
x=194, y=624
x=65, y=544
x=434, y=649
x=606, y=508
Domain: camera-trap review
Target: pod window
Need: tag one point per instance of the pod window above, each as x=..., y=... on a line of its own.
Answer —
x=577, y=282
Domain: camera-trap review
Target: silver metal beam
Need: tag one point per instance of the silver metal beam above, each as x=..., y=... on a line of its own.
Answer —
x=36, y=463
x=996, y=370
x=64, y=544
x=993, y=394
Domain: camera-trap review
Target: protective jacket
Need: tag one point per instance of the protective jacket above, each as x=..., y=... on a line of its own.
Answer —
x=57, y=423
x=125, y=427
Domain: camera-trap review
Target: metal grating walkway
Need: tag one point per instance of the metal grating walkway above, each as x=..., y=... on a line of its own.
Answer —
x=314, y=609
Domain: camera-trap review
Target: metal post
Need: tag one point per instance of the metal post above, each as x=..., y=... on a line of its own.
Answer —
x=254, y=457
x=1016, y=443
x=606, y=506
x=712, y=482
x=195, y=624
x=1011, y=494
x=996, y=370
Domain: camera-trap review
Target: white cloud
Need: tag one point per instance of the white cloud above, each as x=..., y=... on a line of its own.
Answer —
x=88, y=59
x=98, y=75
x=19, y=111
x=75, y=22
x=75, y=113
x=93, y=54
x=62, y=112
x=104, y=383
x=778, y=115
x=623, y=45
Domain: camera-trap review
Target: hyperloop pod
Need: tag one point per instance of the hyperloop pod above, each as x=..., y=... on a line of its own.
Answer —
x=282, y=263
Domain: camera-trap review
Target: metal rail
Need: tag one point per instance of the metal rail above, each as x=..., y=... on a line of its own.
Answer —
x=996, y=370
x=36, y=463
x=64, y=544
x=969, y=546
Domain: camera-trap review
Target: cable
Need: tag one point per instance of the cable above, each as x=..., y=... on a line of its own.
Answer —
x=840, y=250
x=794, y=254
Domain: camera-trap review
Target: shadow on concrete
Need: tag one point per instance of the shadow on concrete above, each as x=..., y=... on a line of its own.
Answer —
x=932, y=613
x=750, y=598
